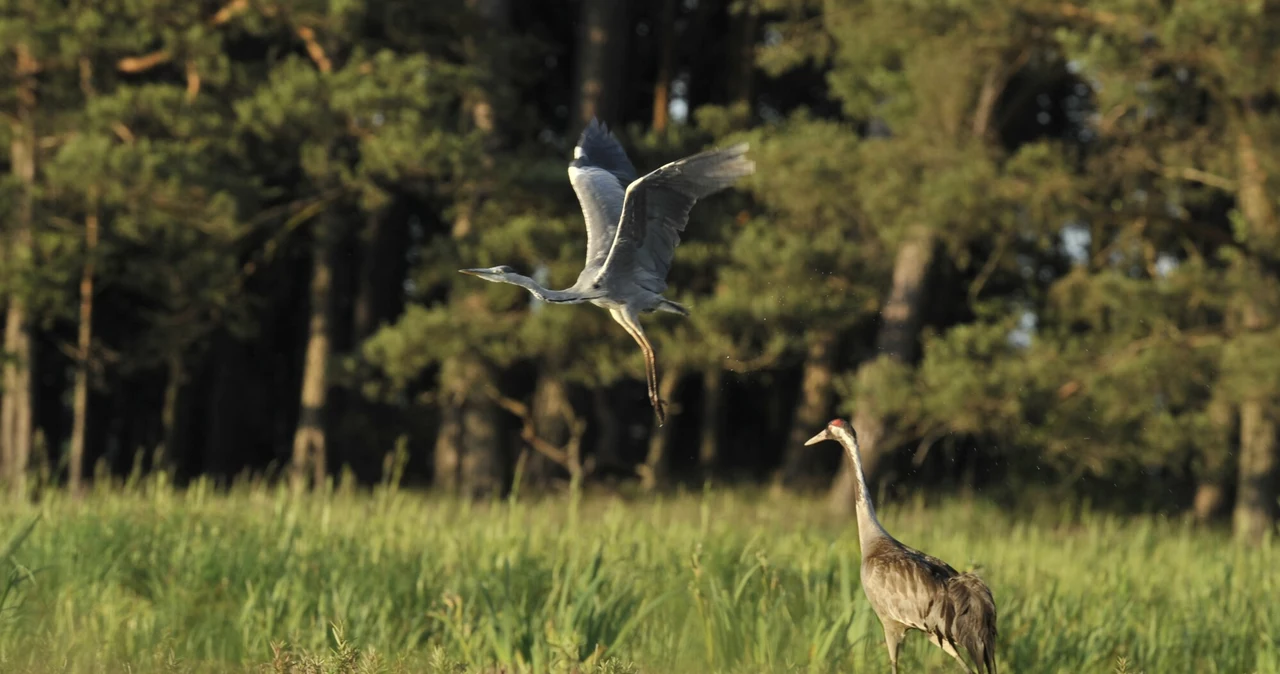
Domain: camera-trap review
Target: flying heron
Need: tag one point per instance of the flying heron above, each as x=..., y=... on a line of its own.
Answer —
x=911, y=590
x=633, y=228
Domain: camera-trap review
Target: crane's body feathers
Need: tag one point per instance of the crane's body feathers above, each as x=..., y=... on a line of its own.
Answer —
x=919, y=591
x=633, y=228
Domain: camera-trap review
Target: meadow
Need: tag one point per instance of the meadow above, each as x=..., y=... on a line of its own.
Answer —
x=149, y=578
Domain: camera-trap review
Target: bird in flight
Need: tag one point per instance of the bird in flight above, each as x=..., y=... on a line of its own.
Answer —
x=633, y=228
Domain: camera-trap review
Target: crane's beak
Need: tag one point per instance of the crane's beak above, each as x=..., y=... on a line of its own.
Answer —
x=473, y=272
x=824, y=435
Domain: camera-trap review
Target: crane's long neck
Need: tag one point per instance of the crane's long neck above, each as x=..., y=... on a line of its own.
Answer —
x=869, y=527
x=544, y=294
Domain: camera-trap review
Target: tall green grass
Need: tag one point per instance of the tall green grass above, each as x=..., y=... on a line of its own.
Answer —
x=725, y=581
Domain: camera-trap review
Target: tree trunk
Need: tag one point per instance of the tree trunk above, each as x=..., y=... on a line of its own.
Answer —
x=1255, y=511
x=551, y=413
x=1252, y=196
x=167, y=451
x=666, y=56
x=994, y=82
x=708, y=445
x=1211, y=473
x=897, y=338
x=447, y=457
x=656, y=464
x=799, y=464
x=1258, y=486
x=1210, y=501
x=16, y=412
x=222, y=405
x=469, y=458
x=380, y=288
x=481, y=109
x=309, y=438
x=609, y=448
x=743, y=67
x=84, y=341
x=483, y=464
x=602, y=42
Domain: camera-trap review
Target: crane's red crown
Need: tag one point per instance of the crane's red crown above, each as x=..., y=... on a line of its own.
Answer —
x=837, y=422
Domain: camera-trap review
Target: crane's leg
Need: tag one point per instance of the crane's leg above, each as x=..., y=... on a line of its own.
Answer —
x=893, y=632
x=627, y=319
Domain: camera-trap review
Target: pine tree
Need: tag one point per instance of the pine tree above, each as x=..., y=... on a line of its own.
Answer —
x=357, y=122
x=1209, y=74
x=923, y=81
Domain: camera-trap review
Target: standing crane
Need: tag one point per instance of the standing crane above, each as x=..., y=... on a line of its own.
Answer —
x=911, y=590
x=633, y=228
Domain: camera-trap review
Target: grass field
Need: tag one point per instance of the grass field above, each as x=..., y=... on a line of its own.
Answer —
x=727, y=581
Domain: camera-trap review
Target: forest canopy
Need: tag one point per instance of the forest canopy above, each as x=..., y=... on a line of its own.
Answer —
x=1027, y=247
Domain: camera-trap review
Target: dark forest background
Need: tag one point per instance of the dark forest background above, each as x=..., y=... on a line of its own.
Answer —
x=1030, y=247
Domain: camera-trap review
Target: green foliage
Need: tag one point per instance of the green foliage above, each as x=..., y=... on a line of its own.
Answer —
x=397, y=110
x=1102, y=295
x=1141, y=337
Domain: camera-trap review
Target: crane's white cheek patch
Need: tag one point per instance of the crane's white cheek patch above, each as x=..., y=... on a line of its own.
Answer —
x=578, y=153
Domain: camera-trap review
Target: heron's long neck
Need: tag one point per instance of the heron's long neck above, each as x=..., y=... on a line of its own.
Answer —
x=869, y=527
x=544, y=294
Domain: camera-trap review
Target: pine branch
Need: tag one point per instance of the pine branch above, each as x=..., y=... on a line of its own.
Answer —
x=229, y=11
x=1194, y=175
x=314, y=50
x=123, y=132
x=137, y=64
x=1132, y=350
x=193, y=81
x=565, y=457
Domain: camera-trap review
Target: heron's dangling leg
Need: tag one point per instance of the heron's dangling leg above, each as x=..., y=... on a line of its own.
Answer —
x=627, y=319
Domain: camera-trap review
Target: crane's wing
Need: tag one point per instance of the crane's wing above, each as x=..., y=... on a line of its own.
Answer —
x=599, y=173
x=656, y=209
x=907, y=586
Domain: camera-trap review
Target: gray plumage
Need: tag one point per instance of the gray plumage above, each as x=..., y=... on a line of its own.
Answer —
x=911, y=590
x=633, y=228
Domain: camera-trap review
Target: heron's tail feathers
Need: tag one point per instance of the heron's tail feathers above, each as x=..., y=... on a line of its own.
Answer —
x=975, y=620
x=711, y=171
x=672, y=307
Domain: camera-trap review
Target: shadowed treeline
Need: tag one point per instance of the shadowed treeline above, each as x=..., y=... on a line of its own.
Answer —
x=1027, y=247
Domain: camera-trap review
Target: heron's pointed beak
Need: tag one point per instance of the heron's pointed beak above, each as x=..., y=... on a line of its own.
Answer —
x=473, y=272
x=824, y=435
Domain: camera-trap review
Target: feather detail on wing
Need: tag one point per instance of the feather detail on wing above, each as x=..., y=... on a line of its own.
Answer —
x=599, y=173
x=656, y=210
x=925, y=593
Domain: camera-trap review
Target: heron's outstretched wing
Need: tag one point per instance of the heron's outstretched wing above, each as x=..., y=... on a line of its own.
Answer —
x=599, y=173
x=656, y=209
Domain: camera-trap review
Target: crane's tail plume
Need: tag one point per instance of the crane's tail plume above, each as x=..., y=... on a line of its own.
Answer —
x=975, y=620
